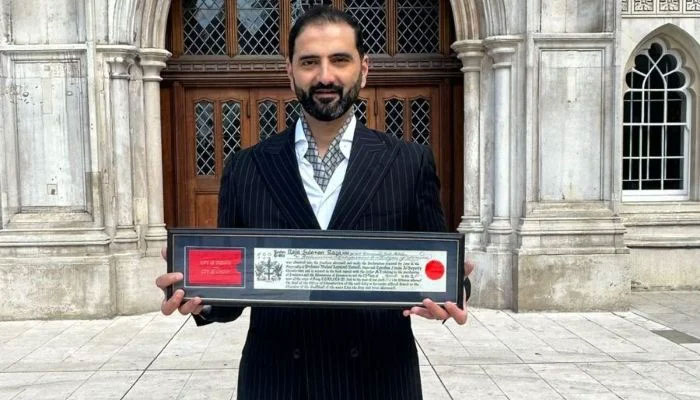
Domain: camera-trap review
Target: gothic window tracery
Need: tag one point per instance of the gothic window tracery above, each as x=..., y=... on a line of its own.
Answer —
x=656, y=125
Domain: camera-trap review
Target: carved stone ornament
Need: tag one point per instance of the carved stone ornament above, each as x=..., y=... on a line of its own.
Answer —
x=669, y=5
x=644, y=5
x=692, y=5
x=660, y=7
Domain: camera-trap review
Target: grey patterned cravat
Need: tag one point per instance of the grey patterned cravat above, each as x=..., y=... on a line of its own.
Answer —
x=324, y=168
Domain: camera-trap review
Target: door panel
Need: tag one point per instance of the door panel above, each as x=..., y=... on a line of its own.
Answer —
x=413, y=114
x=216, y=126
x=273, y=109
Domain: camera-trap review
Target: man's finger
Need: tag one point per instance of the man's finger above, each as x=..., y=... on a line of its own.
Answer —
x=169, y=306
x=166, y=280
x=190, y=306
x=422, y=312
x=469, y=267
x=460, y=316
x=164, y=252
x=198, y=310
x=437, y=311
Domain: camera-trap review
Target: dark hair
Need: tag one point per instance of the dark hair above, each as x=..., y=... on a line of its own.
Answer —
x=325, y=15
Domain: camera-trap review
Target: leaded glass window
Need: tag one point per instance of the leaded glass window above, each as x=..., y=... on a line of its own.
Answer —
x=258, y=27
x=361, y=111
x=267, y=118
x=394, y=117
x=292, y=111
x=231, y=118
x=205, y=158
x=299, y=7
x=655, y=125
x=420, y=121
x=418, y=26
x=204, y=24
x=371, y=16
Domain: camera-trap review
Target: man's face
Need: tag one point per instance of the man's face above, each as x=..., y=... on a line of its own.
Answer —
x=327, y=72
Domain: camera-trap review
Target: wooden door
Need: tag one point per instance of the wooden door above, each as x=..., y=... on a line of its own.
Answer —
x=234, y=51
x=217, y=125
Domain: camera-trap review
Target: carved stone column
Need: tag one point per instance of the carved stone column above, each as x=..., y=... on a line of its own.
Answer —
x=120, y=60
x=500, y=229
x=152, y=62
x=471, y=53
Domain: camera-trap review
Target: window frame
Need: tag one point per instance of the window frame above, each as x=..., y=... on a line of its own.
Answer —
x=689, y=139
x=176, y=39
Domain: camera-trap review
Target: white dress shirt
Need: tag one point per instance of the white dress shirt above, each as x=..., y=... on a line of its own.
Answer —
x=322, y=203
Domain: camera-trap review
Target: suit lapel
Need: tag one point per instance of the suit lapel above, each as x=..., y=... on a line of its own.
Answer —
x=370, y=158
x=277, y=163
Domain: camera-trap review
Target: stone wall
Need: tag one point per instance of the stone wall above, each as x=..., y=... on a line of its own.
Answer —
x=664, y=235
x=546, y=223
x=81, y=223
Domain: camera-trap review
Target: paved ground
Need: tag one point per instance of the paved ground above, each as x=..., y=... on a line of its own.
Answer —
x=651, y=352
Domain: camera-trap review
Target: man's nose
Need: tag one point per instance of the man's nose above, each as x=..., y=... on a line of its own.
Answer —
x=326, y=75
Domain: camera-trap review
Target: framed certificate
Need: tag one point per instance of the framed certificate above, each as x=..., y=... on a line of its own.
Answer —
x=317, y=268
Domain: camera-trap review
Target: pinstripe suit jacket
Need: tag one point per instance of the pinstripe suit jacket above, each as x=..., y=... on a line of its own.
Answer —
x=300, y=353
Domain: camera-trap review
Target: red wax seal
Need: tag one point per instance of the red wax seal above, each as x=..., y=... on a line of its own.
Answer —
x=214, y=267
x=434, y=269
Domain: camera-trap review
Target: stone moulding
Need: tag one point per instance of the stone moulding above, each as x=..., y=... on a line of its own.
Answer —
x=662, y=225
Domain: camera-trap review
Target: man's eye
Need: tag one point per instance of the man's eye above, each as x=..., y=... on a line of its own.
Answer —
x=342, y=60
x=306, y=63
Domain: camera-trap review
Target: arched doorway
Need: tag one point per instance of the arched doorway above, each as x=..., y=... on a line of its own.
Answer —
x=225, y=89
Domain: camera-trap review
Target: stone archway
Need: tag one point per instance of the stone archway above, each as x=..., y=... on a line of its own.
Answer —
x=144, y=24
x=480, y=27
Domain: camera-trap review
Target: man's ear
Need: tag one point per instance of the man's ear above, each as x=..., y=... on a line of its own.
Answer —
x=364, y=69
x=289, y=74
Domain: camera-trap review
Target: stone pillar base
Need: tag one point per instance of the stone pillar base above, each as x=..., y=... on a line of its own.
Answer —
x=572, y=282
x=572, y=257
x=56, y=287
x=491, y=279
x=79, y=287
x=135, y=287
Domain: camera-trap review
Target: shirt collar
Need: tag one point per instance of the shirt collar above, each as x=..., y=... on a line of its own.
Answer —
x=301, y=145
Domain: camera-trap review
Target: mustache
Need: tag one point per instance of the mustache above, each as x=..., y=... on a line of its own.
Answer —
x=337, y=89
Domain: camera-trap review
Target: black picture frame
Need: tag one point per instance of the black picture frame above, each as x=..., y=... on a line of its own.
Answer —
x=187, y=245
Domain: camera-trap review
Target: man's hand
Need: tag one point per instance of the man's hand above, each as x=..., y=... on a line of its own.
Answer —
x=430, y=310
x=169, y=306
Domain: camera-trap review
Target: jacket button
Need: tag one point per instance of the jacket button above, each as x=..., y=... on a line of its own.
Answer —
x=296, y=353
x=354, y=353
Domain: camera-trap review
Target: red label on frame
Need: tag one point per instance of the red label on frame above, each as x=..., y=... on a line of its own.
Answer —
x=434, y=269
x=215, y=267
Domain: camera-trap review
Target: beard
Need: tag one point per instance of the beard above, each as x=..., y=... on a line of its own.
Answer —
x=328, y=110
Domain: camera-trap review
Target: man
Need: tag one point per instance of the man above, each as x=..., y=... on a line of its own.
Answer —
x=327, y=172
